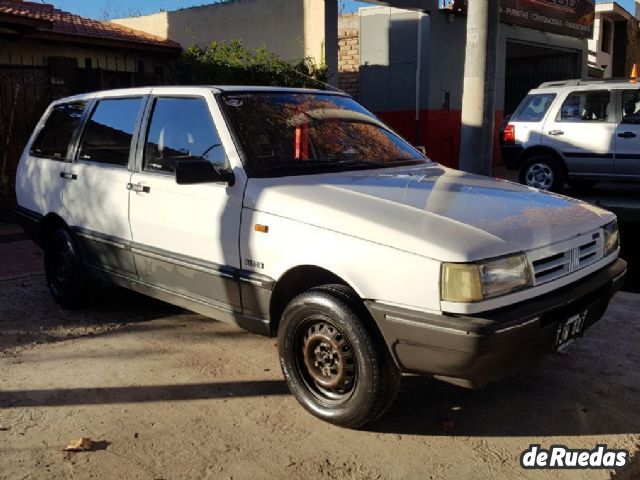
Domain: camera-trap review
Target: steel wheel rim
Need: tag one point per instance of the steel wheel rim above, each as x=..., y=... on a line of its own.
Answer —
x=325, y=360
x=540, y=175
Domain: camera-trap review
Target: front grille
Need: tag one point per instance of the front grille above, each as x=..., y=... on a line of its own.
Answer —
x=558, y=260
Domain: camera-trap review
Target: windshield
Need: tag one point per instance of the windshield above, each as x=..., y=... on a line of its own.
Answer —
x=294, y=133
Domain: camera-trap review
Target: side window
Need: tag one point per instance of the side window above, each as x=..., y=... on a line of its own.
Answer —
x=54, y=138
x=533, y=108
x=107, y=137
x=587, y=106
x=181, y=129
x=631, y=106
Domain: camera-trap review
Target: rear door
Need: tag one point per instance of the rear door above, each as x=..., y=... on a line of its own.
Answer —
x=628, y=134
x=96, y=194
x=42, y=171
x=185, y=236
x=583, y=131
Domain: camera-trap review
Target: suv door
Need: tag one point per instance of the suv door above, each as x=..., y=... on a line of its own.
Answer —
x=583, y=132
x=185, y=236
x=96, y=194
x=628, y=134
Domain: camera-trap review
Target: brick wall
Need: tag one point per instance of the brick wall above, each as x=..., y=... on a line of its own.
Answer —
x=349, y=54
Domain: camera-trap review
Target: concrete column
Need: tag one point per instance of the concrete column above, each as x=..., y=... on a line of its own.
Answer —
x=331, y=39
x=478, y=98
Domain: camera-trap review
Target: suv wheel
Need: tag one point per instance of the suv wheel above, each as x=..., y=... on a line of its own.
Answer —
x=66, y=277
x=542, y=172
x=336, y=365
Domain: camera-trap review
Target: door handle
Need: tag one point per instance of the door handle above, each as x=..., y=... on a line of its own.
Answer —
x=627, y=135
x=138, y=188
x=68, y=176
x=555, y=133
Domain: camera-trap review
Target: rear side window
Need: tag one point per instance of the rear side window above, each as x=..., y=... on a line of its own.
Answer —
x=181, y=129
x=588, y=106
x=533, y=108
x=107, y=137
x=54, y=138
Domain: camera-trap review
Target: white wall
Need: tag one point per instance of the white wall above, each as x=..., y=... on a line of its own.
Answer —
x=601, y=58
x=291, y=28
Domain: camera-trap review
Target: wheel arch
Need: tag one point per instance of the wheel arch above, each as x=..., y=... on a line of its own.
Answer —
x=295, y=281
x=50, y=222
x=544, y=150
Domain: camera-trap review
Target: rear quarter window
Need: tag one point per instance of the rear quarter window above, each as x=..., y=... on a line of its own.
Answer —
x=59, y=128
x=533, y=108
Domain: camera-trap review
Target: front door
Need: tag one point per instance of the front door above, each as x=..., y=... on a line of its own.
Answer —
x=583, y=132
x=96, y=194
x=185, y=236
x=628, y=135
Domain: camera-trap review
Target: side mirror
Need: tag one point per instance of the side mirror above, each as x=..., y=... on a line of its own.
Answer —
x=193, y=172
x=422, y=149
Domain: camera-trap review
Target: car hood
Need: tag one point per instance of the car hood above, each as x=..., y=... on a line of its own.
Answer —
x=429, y=210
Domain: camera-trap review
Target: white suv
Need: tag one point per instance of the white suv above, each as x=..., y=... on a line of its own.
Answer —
x=297, y=213
x=575, y=131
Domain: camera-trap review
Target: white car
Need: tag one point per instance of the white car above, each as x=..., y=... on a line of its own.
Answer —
x=575, y=131
x=298, y=214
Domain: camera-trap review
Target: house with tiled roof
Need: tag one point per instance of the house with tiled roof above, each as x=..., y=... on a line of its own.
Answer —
x=47, y=53
x=34, y=33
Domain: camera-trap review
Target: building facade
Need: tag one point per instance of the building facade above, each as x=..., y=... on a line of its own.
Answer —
x=613, y=50
x=412, y=71
x=293, y=29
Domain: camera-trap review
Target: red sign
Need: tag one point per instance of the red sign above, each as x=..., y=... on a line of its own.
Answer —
x=566, y=17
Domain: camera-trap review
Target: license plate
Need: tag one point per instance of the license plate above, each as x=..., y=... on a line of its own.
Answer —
x=569, y=330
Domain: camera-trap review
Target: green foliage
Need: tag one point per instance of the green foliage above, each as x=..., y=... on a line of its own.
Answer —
x=231, y=63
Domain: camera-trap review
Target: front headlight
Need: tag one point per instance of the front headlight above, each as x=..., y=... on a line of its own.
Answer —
x=474, y=282
x=611, y=238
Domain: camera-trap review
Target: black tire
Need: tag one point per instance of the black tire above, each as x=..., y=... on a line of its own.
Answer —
x=66, y=277
x=334, y=359
x=581, y=185
x=550, y=169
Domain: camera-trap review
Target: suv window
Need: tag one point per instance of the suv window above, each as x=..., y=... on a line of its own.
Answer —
x=181, y=129
x=107, y=137
x=631, y=106
x=54, y=138
x=586, y=106
x=533, y=108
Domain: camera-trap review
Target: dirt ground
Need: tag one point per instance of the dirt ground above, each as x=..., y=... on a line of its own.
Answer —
x=168, y=394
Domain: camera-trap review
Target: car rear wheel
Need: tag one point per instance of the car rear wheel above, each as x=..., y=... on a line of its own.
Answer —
x=334, y=360
x=68, y=282
x=542, y=172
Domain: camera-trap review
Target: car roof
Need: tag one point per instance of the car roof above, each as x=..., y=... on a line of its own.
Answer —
x=127, y=92
x=563, y=85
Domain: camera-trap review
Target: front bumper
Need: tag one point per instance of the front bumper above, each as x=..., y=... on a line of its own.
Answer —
x=473, y=351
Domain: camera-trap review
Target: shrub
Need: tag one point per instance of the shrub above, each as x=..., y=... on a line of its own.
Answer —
x=231, y=63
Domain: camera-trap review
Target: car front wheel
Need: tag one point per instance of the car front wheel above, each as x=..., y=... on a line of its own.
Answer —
x=334, y=360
